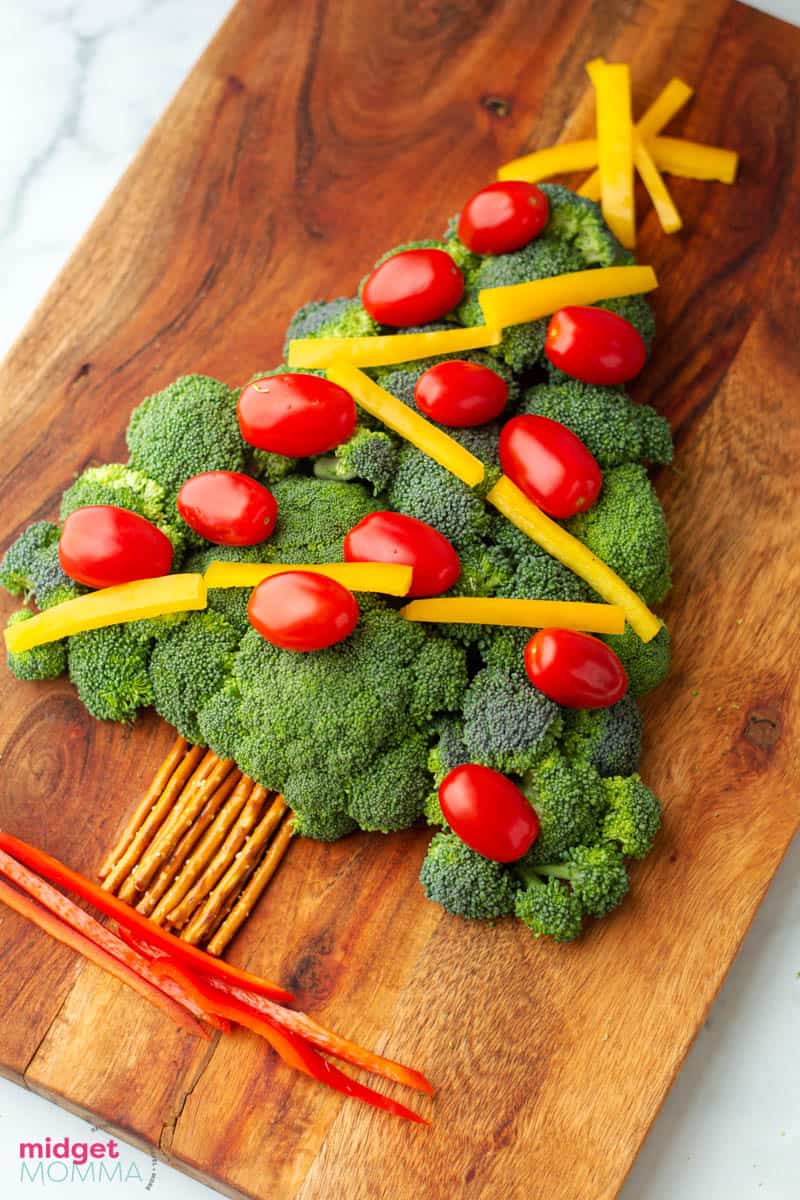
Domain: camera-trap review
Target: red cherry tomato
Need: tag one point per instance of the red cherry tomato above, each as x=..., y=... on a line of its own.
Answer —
x=228, y=508
x=101, y=545
x=594, y=345
x=488, y=812
x=391, y=537
x=413, y=287
x=461, y=393
x=503, y=217
x=298, y=610
x=550, y=464
x=295, y=414
x=574, y=669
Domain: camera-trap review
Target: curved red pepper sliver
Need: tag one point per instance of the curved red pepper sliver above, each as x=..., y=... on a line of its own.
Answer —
x=141, y=926
x=294, y=1051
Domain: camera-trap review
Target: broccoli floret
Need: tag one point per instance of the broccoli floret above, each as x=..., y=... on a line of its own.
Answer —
x=578, y=222
x=606, y=420
x=634, y=815
x=627, y=530
x=610, y=739
x=464, y=882
x=646, y=663
x=432, y=811
x=596, y=874
x=369, y=455
x=344, y=317
x=440, y=679
x=508, y=723
x=108, y=667
x=267, y=466
x=40, y=662
x=568, y=799
x=221, y=727
x=323, y=826
x=423, y=489
x=391, y=793
x=31, y=568
x=549, y=909
x=314, y=515
x=124, y=487
x=189, y=427
x=188, y=666
x=445, y=754
x=486, y=570
x=230, y=602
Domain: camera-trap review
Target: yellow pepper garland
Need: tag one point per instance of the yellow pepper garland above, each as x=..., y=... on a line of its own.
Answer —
x=532, y=614
x=391, y=579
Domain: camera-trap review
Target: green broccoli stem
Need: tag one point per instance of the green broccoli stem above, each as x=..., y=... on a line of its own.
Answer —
x=529, y=875
x=331, y=467
x=559, y=870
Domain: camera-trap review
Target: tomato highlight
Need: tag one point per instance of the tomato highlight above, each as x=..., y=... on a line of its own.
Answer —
x=461, y=393
x=296, y=415
x=594, y=345
x=412, y=288
x=303, y=612
x=575, y=669
x=391, y=537
x=102, y=545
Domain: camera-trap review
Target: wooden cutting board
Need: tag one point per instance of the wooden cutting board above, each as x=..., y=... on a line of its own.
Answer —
x=309, y=138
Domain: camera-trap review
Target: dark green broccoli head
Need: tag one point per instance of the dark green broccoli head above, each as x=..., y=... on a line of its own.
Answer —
x=549, y=909
x=231, y=603
x=221, y=726
x=109, y=669
x=568, y=799
x=124, y=487
x=508, y=723
x=464, y=882
x=40, y=662
x=610, y=739
x=596, y=874
x=343, y=317
x=606, y=420
x=322, y=825
x=189, y=427
x=634, y=815
x=188, y=666
x=266, y=466
x=449, y=750
x=390, y=794
x=31, y=568
x=485, y=571
x=627, y=530
x=314, y=515
x=369, y=455
x=423, y=489
x=646, y=663
x=440, y=679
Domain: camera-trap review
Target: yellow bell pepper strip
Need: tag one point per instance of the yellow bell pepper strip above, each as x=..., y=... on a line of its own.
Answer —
x=658, y=191
x=109, y=606
x=667, y=103
x=316, y=353
x=552, y=160
x=391, y=579
x=535, y=614
x=521, y=302
x=693, y=160
x=398, y=417
x=554, y=539
x=612, y=85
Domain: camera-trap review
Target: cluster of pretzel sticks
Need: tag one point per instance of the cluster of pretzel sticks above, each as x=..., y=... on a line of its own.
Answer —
x=201, y=847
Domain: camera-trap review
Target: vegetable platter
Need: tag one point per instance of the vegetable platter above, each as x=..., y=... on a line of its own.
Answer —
x=270, y=180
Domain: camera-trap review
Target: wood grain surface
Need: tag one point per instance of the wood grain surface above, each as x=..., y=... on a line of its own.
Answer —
x=309, y=138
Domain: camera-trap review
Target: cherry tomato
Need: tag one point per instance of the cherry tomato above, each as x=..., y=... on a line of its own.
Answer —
x=413, y=287
x=228, y=508
x=503, y=217
x=391, y=537
x=594, y=345
x=550, y=464
x=298, y=610
x=574, y=669
x=295, y=414
x=101, y=545
x=461, y=393
x=488, y=812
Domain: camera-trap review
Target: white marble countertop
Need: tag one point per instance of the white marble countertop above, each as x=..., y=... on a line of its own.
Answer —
x=83, y=81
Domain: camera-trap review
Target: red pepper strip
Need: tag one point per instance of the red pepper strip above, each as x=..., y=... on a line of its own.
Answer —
x=96, y=954
x=142, y=926
x=291, y=1047
x=74, y=916
x=170, y=973
x=333, y=1043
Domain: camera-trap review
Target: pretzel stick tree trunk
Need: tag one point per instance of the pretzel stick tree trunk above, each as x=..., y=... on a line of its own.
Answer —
x=253, y=889
x=160, y=780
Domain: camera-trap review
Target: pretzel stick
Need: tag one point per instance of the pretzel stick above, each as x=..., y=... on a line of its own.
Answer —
x=169, y=872
x=211, y=841
x=157, y=814
x=160, y=780
x=253, y=889
x=187, y=807
x=207, y=916
x=222, y=857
